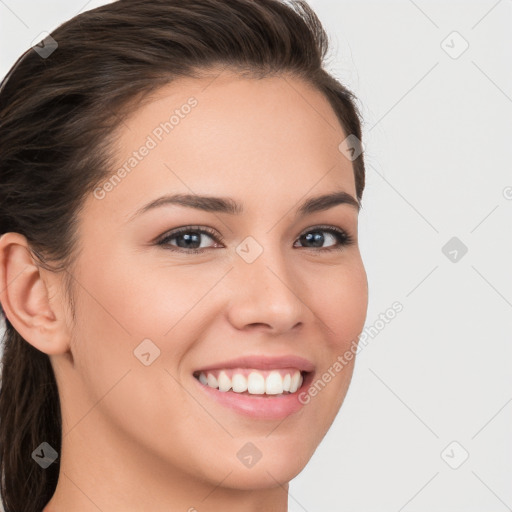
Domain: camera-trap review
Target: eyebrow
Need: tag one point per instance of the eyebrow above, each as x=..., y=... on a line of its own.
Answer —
x=232, y=207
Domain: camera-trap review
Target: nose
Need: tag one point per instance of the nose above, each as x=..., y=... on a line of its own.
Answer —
x=266, y=294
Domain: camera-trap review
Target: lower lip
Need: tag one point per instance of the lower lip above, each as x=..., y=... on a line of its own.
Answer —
x=269, y=407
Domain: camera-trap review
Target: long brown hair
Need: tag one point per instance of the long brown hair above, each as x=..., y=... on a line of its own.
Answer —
x=58, y=112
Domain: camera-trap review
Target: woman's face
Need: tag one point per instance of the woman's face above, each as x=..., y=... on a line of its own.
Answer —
x=269, y=281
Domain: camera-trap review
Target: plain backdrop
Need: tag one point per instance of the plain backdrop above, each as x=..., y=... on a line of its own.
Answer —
x=426, y=424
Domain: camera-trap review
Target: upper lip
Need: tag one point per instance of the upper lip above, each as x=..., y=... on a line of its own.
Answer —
x=263, y=363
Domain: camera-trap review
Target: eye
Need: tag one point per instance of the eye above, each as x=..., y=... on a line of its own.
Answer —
x=314, y=236
x=189, y=239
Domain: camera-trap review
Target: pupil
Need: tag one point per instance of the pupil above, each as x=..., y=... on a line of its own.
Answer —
x=194, y=239
x=317, y=238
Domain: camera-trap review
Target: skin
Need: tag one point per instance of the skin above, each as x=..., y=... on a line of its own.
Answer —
x=139, y=437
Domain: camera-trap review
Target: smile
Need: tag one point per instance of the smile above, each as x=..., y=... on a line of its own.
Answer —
x=267, y=394
x=252, y=381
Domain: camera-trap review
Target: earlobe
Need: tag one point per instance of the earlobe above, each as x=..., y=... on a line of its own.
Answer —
x=25, y=297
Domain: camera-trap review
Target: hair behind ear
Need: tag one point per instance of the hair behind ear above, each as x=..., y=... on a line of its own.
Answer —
x=29, y=415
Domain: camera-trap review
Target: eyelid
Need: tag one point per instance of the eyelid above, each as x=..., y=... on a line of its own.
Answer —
x=185, y=229
x=348, y=238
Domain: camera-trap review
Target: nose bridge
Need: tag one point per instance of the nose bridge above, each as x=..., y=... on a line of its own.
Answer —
x=265, y=289
x=264, y=261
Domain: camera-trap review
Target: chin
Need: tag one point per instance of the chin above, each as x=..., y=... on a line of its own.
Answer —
x=275, y=467
x=262, y=477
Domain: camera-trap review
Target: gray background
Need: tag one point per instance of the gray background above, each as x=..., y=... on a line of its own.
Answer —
x=434, y=384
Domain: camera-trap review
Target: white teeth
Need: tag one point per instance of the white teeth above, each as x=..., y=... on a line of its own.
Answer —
x=224, y=382
x=286, y=382
x=274, y=384
x=212, y=381
x=255, y=383
x=295, y=382
x=239, y=383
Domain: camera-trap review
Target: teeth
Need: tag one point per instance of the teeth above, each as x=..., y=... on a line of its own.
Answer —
x=296, y=382
x=274, y=384
x=224, y=382
x=212, y=381
x=239, y=383
x=286, y=382
x=254, y=382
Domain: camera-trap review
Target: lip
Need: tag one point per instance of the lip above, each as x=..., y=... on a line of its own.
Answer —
x=267, y=407
x=259, y=362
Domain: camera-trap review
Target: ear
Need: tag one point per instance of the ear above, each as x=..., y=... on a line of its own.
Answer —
x=25, y=296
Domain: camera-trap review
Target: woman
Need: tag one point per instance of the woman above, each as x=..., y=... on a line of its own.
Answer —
x=180, y=183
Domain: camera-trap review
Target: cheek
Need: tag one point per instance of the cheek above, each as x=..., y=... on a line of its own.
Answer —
x=116, y=310
x=143, y=296
x=341, y=299
x=131, y=301
x=341, y=305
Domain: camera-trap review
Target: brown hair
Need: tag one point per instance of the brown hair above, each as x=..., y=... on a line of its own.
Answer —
x=58, y=113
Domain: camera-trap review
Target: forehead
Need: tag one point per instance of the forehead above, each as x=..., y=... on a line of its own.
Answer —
x=228, y=135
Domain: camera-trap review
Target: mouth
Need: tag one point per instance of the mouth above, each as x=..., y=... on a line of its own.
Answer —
x=255, y=382
x=261, y=387
x=266, y=397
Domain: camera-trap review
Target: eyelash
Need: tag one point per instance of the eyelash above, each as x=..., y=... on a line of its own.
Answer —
x=344, y=239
